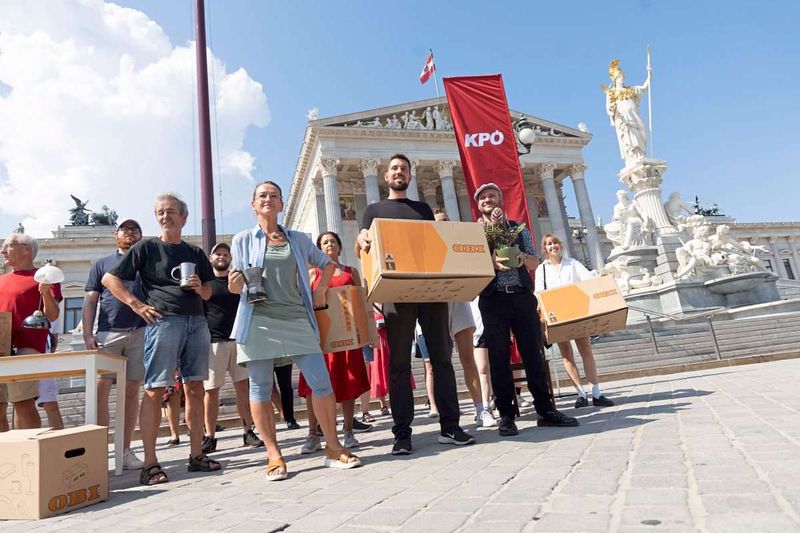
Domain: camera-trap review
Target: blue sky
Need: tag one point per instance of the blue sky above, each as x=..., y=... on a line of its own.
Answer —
x=725, y=85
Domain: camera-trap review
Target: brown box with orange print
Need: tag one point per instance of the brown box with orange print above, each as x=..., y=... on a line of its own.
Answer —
x=582, y=309
x=346, y=324
x=426, y=261
x=44, y=472
x=5, y=333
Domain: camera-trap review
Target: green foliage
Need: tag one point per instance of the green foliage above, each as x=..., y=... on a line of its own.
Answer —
x=502, y=235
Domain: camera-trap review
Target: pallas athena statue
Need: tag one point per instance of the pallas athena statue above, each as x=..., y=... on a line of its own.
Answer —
x=622, y=106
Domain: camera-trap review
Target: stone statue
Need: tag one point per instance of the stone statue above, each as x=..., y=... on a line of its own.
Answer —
x=19, y=229
x=628, y=227
x=374, y=123
x=428, y=116
x=79, y=215
x=622, y=106
x=393, y=123
x=738, y=256
x=675, y=207
x=442, y=124
x=108, y=217
x=313, y=114
x=695, y=256
x=629, y=277
x=411, y=121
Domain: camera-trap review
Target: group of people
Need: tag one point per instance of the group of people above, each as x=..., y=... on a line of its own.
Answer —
x=204, y=325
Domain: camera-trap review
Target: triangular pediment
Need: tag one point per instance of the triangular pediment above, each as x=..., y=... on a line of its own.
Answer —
x=427, y=115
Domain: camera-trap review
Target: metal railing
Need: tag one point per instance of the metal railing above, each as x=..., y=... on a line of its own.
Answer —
x=708, y=314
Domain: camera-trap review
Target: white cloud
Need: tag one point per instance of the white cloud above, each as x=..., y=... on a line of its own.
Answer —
x=98, y=103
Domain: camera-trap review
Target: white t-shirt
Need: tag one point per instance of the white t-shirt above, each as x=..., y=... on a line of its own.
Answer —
x=571, y=271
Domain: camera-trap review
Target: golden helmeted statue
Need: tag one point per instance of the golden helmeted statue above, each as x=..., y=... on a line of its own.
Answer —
x=622, y=106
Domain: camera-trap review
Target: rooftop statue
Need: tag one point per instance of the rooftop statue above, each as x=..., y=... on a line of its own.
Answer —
x=622, y=106
x=80, y=216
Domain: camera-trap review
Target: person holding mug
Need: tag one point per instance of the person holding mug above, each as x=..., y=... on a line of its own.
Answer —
x=284, y=324
x=553, y=272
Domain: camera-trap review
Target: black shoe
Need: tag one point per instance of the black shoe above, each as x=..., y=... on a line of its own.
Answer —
x=174, y=442
x=507, y=427
x=581, y=402
x=251, y=439
x=319, y=431
x=557, y=419
x=602, y=401
x=209, y=444
x=457, y=436
x=292, y=424
x=402, y=445
x=218, y=428
x=360, y=427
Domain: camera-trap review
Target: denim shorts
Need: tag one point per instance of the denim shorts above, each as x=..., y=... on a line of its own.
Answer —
x=312, y=365
x=176, y=342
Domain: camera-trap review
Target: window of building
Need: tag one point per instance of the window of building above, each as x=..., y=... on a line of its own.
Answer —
x=73, y=307
x=788, y=266
x=768, y=265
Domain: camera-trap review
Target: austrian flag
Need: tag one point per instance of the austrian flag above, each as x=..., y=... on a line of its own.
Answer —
x=427, y=70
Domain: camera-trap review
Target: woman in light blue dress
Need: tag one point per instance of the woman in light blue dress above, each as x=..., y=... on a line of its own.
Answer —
x=284, y=324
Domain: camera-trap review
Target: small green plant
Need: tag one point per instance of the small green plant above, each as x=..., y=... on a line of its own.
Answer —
x=502, y=235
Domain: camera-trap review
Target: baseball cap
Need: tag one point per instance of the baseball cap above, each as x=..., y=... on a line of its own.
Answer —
x=485, y=186
x=129, y=222
x=221, y=245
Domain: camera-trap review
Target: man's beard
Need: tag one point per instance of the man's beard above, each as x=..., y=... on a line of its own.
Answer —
x=398, y=186
x=221, y=265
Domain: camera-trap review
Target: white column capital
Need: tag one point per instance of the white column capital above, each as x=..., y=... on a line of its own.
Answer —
x=317, y=183
x=369, y=167
x=328, y=166
x=546, y=170
x=429, y=189
x=445, y=168
x=577, y=170
x=413, y=169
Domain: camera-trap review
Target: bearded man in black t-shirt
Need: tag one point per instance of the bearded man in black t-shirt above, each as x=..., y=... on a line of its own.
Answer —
x=400, y=322
x=176, y=334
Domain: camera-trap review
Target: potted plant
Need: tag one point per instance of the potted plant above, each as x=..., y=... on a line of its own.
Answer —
x=501, y=237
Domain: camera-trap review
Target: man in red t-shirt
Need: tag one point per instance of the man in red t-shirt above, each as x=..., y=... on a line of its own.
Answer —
x=21, y=295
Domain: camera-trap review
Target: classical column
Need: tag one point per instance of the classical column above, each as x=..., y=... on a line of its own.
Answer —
x=413, y=190
x=644, y=179
x=776, y=253
x=562, y=203
x=333, y=216
x=551, y=199
x=445, y=170
x=360, y=199
x=587, y=217
x=429, y=193
x=795, y=256
x=369, y=167
x=464, y=203
x=319, y=197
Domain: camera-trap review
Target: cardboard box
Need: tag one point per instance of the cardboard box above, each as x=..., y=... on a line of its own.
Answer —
x=426, y=261
x=44, y=472
x=347, y=323
x=5, y=333
x=582, y=309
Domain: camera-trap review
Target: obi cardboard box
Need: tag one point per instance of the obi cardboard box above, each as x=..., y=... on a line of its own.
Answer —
x=426, y=261
x=44, y=472
x=346, y=324
x=5, y=333
x=582, y=309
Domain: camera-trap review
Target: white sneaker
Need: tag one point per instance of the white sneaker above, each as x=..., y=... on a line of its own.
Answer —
x=487, y=420
x=433, y=414
x=350, y=440
x=311, y=445
x=130, y=461
x=522, y=402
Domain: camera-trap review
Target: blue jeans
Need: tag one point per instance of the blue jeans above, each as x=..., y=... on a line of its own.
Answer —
x=176, y=341
x=312, y=365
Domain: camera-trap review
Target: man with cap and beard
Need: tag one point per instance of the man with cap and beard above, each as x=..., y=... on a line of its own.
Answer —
x=119, y=331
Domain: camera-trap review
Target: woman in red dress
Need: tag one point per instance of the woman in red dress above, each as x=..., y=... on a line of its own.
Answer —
x=347, y=369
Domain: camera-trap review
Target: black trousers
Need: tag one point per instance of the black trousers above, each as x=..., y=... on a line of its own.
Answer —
x=503, y=314
x=433, y=318
x=283, y=376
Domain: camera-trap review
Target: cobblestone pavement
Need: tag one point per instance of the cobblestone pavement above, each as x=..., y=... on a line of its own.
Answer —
x=716, y=450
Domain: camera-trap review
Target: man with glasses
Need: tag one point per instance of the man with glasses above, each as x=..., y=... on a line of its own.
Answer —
x=119, y=331
x=21, y=295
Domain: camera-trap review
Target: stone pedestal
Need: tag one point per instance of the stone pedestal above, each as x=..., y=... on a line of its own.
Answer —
x=644, y=179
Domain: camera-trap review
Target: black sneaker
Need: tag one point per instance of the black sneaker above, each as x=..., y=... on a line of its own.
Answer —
x=557, y=419
x=251, y=439
x=209, y=444
x=507, y=427
x=602, y=401
x=581, y=402
x=292, y=424
x=457, y=436
x=360, y=427
x=402, y=445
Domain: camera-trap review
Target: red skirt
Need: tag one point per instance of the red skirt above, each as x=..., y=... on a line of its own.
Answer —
x=348, y=375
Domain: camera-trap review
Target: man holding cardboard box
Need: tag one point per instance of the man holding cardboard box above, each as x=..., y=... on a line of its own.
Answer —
x=401, y=318
x=508, y=305
x=21, y=295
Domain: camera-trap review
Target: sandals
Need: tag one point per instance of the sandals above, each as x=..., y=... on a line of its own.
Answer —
x=275, y=465
x=152, y=475
x=174, y=442
x=345, y=461
x=202, y=463
x=367, y=418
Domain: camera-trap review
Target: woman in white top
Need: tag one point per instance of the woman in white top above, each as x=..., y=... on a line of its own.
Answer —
x=553, y=272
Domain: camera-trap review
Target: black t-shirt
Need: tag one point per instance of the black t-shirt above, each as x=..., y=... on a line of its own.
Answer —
x=403, y=209
x=221, y=309
x=154, y=260
x=113, y=313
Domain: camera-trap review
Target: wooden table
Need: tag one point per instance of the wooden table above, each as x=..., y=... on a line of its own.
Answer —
x=89, y=363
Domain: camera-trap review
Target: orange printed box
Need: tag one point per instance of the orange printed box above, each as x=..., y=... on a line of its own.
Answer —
x=582, y=309
x=346, y=324
x=5, y=333
x=426, y=261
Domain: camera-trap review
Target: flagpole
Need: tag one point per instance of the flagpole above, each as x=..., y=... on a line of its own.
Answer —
x=435, y=77
x=649, y=101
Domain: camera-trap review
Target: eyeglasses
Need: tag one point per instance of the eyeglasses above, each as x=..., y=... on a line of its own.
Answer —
x=14, y=245
x=127, y=229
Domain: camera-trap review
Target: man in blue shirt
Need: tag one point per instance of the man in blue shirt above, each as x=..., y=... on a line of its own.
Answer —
x=119, y=331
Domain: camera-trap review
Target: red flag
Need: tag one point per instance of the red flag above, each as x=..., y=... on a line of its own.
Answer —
x=427, y=70
x=486, y=141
